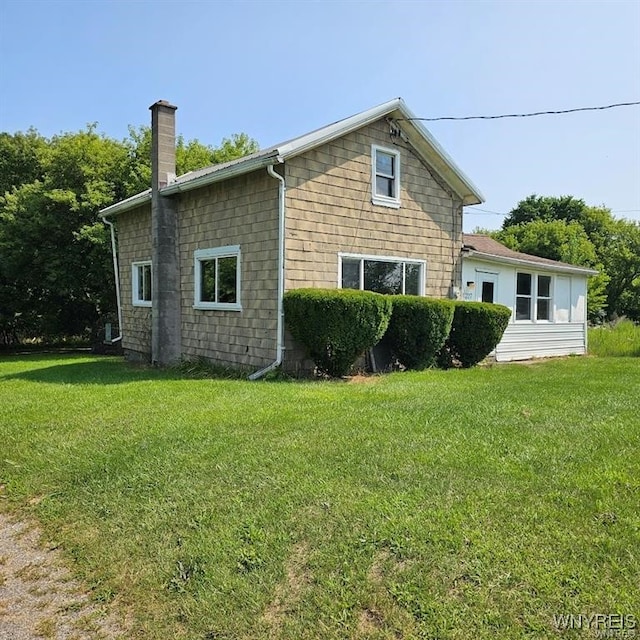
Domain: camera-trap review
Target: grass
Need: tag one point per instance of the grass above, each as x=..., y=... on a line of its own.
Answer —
x=441, y=504
x=614, y=340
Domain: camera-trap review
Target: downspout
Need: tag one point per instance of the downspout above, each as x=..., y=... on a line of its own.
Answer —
x=116, y=273
x=280, y=319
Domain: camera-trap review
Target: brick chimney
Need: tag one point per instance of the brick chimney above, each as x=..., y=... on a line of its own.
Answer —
x=166, y=330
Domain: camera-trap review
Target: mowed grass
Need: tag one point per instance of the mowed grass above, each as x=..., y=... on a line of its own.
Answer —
x=442, y=504
x=613, y=340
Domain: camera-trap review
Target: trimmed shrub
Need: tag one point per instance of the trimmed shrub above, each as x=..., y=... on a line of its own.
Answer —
x=336, y=325
x=418, y=328
x=476, y=330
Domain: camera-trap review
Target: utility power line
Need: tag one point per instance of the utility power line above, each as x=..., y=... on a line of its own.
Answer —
x=528, y=115
x=479, y=211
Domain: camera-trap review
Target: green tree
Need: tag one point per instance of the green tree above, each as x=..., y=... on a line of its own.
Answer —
x=190, y=156
x=56, y=275
x=615, y=242
x=21, y=158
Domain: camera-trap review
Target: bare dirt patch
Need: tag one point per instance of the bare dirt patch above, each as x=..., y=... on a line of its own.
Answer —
x=289, y=591
x=39, y=598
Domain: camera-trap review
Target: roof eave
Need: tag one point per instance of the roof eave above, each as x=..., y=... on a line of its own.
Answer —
x=126, y=205
x=338, y=129
x=488, y=257
x=223, y=174
x=441, y=160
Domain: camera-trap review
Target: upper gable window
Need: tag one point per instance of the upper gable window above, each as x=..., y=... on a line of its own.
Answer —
x=385, y=177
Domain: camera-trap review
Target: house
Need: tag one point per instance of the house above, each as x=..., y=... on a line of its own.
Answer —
x=203, y=259
x=548, y=299
x=371, y=202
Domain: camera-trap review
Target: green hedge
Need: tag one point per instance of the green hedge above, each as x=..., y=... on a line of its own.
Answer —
x=418, y=328
x=476, y=330
x=336, y=325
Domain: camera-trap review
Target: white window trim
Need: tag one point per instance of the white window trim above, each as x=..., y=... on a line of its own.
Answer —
x=534, y=299
x=231, y=251
x=377, y=199
x=362, y=257
x=135, y=291
x=551, y=308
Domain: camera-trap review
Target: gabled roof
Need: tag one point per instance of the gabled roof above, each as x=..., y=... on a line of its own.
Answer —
x=423, y=142
x=486, y=248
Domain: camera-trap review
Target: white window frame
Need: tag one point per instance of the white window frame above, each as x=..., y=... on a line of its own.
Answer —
x=136, y=298
x=550, y=308
x=398, y=259
x=203, y=255
x=533, y=306
x=379, y=199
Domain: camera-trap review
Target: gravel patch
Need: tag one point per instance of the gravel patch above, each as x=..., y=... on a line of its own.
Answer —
x=39, y=598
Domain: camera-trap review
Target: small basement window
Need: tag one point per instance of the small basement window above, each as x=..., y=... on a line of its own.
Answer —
x=217, y=278
x=141, y=283
x=385, y=177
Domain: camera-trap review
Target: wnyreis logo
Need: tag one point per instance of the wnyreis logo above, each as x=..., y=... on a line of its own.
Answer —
x=605, y=625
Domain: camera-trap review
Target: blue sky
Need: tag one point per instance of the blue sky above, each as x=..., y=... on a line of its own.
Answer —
x=279, y=69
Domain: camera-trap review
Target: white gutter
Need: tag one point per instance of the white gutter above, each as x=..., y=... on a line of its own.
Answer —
x=282, y=188
x=116, y=272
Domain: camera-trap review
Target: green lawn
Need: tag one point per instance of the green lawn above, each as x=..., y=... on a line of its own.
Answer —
x=443, y=504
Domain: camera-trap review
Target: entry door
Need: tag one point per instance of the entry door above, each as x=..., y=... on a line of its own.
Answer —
x=486, y=286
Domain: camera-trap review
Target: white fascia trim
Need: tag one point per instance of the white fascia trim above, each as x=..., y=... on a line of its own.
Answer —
x=126, y=205
x=529, y=264
x=446, y=165
x=221, y=174
x=341, y=128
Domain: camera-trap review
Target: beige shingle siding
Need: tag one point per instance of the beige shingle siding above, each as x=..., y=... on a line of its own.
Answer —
x=329, y=210
x=134, y=245
x=242, y=211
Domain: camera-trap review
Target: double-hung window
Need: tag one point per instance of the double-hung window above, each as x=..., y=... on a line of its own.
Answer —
x=544, y=307
x=533, y=297
x=141, y=283
x=382, y=275
x=385, y=177
x=524, y=293
x=217, y=278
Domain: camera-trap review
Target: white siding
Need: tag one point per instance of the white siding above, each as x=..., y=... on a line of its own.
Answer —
x=565, y=334
x=524, y=341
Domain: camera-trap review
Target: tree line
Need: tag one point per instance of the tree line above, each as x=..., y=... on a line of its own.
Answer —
x=56, y=270
x=565, y=228
x=56, y=274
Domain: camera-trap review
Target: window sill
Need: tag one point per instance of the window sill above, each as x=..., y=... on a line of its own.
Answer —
x=217, y=306
x=142, y=303
x=385, y=202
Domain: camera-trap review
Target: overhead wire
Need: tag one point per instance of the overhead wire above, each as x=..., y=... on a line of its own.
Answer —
x=527, y=115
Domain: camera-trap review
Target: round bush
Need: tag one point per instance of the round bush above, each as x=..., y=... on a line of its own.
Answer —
x=336, y=325
x=476, y=330
x=418, y=328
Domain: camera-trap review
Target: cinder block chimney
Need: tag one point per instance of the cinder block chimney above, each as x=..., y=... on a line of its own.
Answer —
x=166, y=330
